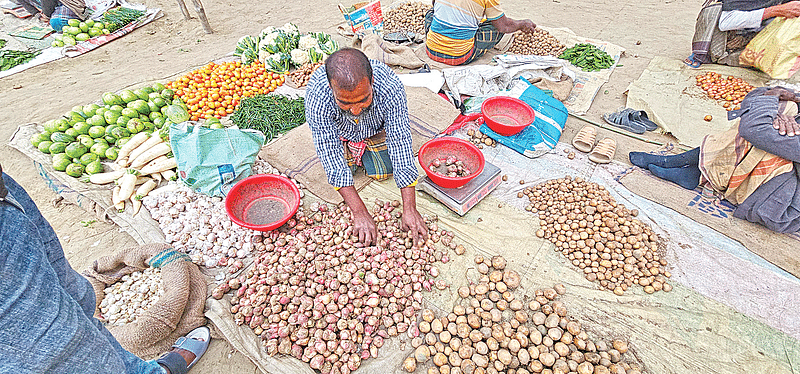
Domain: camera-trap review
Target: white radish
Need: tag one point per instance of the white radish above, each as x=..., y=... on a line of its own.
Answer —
x=157, y=150
x=157, y=177
x=161, y=165
x=135, y=206
x=143, y=190
x=149, y=143
x=119, y=204
x=169, y=175
x=107, y=177
x=132, y=143
x=164, y=189
x=141, y=179
x=127, y=183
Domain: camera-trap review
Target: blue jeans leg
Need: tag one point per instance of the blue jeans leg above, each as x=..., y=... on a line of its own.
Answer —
x=46, y=307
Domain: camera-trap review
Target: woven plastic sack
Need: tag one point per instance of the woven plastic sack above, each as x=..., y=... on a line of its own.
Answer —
x=211, y=161
x=776, y=49
x=178, y=311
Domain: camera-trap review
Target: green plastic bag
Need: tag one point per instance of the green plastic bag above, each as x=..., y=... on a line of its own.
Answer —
x=211, y=161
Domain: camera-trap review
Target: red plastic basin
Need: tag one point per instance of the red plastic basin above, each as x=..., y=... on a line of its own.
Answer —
x=262, y=202
x=506, y=115
x=448, y=146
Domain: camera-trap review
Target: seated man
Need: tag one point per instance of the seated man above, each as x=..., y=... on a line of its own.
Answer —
x=456, y=35
x=358, y=115
x=752, y=165
x=47, y=308
x=739, y=21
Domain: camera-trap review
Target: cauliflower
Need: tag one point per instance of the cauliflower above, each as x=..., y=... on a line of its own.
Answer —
x=269, y=42
x=307, y=42
x=290, y=29
x=316, y=54
x=263, y=56
x=300, y=57
x=268, y=30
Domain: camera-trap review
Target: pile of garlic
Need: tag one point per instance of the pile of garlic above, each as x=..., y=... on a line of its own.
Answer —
x=127, y=299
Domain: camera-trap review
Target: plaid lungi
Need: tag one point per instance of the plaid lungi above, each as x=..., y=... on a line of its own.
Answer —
x=371, y=153
x=486, y=38
x=60, y=16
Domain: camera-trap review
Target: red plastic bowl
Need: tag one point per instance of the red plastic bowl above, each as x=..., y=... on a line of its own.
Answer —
x=506, y=115
x=262, y=202
x=449, y=146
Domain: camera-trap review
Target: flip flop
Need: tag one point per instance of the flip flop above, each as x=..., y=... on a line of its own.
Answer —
x=196, y=341
x=640, y=117
x=584, y=140
x=623, y=119
x=604, y=152
x=691, y=62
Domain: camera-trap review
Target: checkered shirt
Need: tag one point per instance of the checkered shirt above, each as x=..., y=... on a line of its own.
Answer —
x=329, y=124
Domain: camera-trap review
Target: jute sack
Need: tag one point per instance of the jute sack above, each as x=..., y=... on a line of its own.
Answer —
x=178, y=311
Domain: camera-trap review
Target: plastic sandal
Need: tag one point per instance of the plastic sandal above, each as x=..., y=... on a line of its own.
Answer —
x=604, y=152
x=640, y=117
x=584, y=140
x=196, y=341
x=623, y=119
x=691, y=62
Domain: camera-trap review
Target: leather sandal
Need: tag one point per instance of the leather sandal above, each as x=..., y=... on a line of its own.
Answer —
x=623, y=119
x=604, y=152
x=640, y=117
x=584, y=140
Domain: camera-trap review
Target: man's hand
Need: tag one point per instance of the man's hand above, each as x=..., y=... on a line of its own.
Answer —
x=365, y=229
x=786, y=125
x=363, y=225
x=788, y=10
x=526, y=25
x=412, y=221
x=782, y=93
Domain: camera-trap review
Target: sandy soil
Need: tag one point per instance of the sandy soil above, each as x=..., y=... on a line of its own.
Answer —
x=171, y=46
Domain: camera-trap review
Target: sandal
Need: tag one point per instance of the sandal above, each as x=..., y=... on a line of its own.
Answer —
x=604, y=152
x=196, y=341
x=692, y=62
x=623, y=119
x=640, y=117
x=584, y=140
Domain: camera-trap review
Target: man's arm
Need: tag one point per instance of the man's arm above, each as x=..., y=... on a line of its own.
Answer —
x=363, y=224
x=788, y=10
x=756, y=126
x=412, y=221
x=507, y=25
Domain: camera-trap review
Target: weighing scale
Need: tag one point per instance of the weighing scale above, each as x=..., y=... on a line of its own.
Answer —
x=462, y=199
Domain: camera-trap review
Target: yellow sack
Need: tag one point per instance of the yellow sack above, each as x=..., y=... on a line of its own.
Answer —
x=776, y=49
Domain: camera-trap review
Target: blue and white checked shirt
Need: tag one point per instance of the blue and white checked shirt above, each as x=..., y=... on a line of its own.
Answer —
x=389, y=111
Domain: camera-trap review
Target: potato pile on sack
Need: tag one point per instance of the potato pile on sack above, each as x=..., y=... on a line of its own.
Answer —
x=317, y=294
x=599, y=236
x=491, y=330
x=409, y=16
x=537, y=42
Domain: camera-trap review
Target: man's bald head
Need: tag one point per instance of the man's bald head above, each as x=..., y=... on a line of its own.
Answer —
x=348, y=67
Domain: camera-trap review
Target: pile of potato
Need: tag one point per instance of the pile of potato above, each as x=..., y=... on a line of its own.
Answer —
x=597, y=235
x=490, y=331
x=538, y=42
x=480, y=139
x=406, y=17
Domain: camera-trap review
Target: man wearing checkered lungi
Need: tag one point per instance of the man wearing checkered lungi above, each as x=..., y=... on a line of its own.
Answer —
x=358, y=115
x=461, y=31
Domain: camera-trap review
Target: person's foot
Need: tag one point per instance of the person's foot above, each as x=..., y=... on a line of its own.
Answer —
x=692, y=62
x=190, y=348
x=687, y=177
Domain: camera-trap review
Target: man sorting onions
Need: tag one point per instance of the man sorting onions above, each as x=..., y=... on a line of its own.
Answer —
x=358, y=115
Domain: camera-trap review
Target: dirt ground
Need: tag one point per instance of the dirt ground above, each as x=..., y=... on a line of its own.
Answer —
x=171, y=45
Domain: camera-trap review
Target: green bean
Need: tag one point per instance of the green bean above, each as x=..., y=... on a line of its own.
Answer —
x=270, y=114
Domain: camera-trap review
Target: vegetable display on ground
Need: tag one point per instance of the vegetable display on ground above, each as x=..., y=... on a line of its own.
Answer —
x=588, y=57
x=270, y=114
x=318, y=296
x=119, y=17
x=597, y=235
x=730, y=90
x=407, y=17
x=11, y=58
x=76, y=31
x=284, y=48
x=87, y=135
x=301, y=76
x=491, y=330
x=216, y=89
x=537, y=42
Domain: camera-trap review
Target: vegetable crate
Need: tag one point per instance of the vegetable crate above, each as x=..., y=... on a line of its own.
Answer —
x=363, y=16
